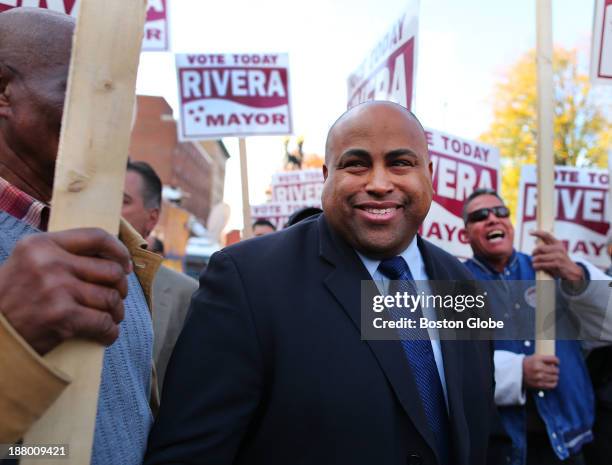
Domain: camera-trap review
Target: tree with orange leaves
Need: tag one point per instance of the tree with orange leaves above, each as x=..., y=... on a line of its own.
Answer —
x=583, y=132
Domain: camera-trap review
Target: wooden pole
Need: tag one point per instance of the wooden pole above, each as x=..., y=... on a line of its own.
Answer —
x=88, y=192
x=247, y=231
x=545, y=289
x=610, y=183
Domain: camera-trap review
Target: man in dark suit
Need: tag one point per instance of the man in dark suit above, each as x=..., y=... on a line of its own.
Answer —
x=271, y=367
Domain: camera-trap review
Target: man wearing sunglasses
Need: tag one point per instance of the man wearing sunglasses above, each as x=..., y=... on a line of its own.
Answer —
x=546, y=402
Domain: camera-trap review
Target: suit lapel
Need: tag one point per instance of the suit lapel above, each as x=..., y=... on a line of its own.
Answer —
x=452, y=353
x=343, y=282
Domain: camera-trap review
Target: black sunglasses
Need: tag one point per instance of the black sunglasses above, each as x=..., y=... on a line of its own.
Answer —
x=483, y=213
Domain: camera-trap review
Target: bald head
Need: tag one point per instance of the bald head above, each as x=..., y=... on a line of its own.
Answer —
x=34, y=37
x=35, y=47
x=368, y=110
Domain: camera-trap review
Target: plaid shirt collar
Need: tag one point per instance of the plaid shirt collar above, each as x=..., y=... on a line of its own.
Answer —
x=22, y=206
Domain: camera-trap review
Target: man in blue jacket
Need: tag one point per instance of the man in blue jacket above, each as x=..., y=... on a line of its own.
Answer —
x=546, y=402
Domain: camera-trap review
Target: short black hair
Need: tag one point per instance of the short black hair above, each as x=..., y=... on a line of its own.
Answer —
x=157, y=246
x=151, y=184
x=302, y=214
x=477, y=193
x=263, y=222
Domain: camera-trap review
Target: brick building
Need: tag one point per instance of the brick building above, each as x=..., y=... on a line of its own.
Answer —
x=196, y=168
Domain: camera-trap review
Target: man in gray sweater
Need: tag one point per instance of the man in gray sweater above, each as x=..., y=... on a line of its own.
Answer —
x=62, y=285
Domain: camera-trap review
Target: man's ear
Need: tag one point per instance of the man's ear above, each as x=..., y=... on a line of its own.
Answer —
x=152, y=220
x=4, y=100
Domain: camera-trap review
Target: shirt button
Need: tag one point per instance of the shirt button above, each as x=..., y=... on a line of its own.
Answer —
x=527, y=343
x=554, y=435
x=507, y=273
x=560, y=449
x=540, y=393
x=517, y=305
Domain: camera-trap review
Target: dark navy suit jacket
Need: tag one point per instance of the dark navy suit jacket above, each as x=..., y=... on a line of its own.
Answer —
x=271, y=369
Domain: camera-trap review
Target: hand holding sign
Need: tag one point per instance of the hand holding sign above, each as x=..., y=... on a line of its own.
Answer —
x=550, y=256
x=62, y=285
x=540, y=371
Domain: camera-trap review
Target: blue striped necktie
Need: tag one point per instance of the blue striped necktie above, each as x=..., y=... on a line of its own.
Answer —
x=418, y=351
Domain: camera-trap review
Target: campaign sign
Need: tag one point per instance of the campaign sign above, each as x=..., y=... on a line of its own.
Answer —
x=233, y=94
x=291, y=191
x=388, y=72
x=460, y=166
x=582, y=218
x=156, y=31
x=69, y=7
x=601, y=50
x=156, y=25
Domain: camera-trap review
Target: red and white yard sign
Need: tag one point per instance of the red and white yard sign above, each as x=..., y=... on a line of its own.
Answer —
x=156, y=33
x=63, y=6
x=388, y=73
x=156, y=27
x=233, y=94
x=601, y=52
x=291, y=191
x=582, y=219
x=460, y=166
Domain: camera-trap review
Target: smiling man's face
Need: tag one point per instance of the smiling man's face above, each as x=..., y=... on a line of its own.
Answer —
x=491, y=238
x=377, y=178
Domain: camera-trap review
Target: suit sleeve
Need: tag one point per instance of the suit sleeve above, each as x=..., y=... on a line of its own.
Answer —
x=181, y=289
x=214, y=379
x=28, y=385
x=593, y=307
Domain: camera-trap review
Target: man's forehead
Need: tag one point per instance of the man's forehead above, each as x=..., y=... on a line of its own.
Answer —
x=351, y=132
x=35, y=18
x=377, y=121
x=368, y=112
x=484, y=201
x=34, y=37
x=133, y=179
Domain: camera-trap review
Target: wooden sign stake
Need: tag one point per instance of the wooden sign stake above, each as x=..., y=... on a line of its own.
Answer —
x=88, y=190
x=247, y=231
x=545, y=290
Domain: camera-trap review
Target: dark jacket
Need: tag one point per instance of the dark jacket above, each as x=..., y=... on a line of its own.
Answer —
x=568, y=410
x=271, y=369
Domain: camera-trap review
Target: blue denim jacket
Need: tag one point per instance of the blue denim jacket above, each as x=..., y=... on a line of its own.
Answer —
x=568, y=410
